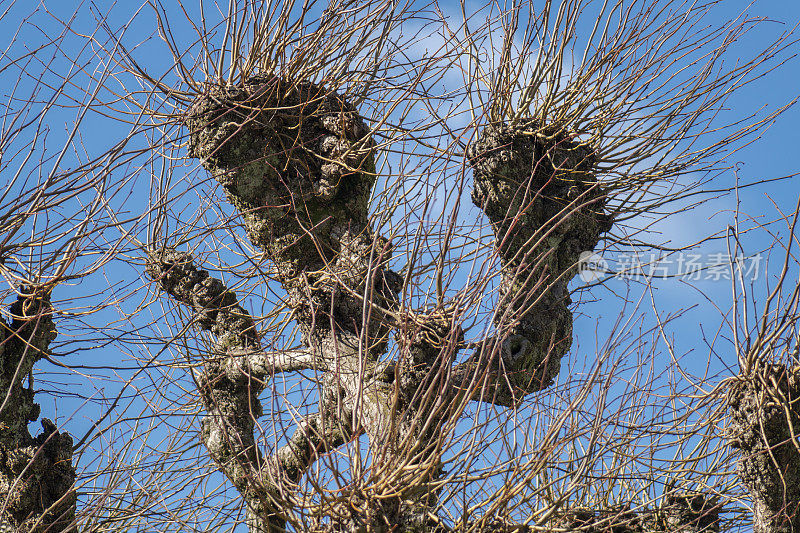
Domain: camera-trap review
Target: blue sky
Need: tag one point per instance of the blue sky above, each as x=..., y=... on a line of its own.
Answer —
x=76, y=398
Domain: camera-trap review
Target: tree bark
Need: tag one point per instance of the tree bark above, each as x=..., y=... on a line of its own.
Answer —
x=538, y=189
x=764, y=408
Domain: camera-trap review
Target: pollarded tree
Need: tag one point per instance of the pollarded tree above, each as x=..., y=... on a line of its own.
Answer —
x=574, y=118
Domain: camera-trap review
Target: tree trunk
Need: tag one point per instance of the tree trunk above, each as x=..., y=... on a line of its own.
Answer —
x=36, y=474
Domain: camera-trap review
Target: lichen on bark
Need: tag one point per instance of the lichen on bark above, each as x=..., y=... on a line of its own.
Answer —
x=297, y=161
x=764, y=425
x=677, y=513
x=289, y=156
x=232, y=406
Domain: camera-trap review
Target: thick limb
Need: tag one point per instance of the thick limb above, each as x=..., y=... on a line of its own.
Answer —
x=764, y=408
x=229, y=385
x=258, y=365
x=302, y=180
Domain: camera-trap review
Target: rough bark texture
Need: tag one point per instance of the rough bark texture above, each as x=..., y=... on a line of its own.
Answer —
x=539, y=191
x=764, y=425
x=678, y=513
x=36, y=474
x=297, y=161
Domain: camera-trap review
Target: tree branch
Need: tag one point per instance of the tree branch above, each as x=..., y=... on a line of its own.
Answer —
x=242, y=366
x=315, y=435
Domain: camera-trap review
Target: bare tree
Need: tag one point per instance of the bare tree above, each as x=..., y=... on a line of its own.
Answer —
x=403, y=369
x=54, y=234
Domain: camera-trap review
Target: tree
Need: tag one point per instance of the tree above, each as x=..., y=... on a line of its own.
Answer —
x=50, y=219
x=404, y=392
